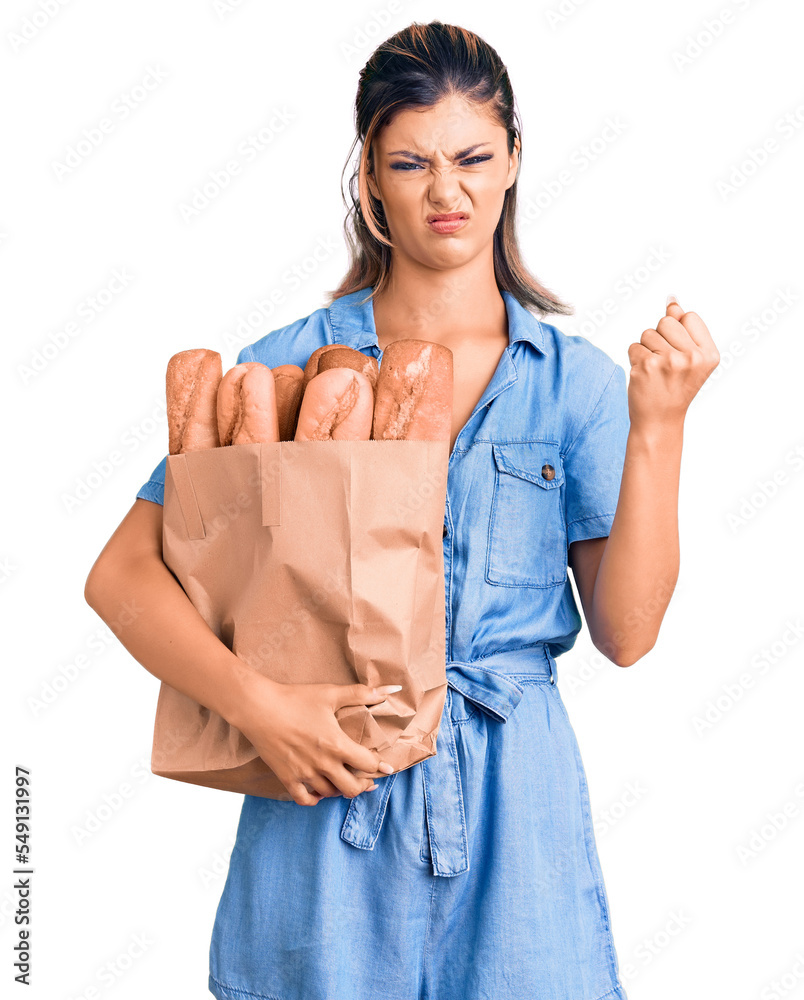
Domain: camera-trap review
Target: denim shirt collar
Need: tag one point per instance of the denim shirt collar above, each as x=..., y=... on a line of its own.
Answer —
x=352, y=321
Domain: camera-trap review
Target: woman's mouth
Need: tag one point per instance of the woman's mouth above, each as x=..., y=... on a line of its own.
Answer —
x=447, y=223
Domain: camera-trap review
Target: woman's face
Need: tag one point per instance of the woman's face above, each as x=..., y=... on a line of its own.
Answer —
x=439, y=160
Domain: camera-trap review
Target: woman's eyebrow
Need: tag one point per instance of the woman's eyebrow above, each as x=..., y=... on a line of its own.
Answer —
x=424, y=159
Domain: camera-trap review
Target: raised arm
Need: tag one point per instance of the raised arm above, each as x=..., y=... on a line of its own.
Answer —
x=626, y=581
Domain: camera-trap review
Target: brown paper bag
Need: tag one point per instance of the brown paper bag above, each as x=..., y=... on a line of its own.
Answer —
x=313, y=561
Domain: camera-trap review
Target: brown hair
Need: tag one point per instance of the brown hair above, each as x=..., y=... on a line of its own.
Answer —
x=416, y=68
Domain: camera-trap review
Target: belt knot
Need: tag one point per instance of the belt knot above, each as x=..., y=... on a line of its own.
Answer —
x=497, y=694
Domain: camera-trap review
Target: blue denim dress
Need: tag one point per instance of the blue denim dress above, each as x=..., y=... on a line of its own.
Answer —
x=473, y=875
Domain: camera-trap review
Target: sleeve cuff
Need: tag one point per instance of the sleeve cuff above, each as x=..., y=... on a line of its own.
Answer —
x=153, y=491
x=589, y=527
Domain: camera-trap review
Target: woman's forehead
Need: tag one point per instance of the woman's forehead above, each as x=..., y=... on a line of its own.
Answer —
x=443, y=129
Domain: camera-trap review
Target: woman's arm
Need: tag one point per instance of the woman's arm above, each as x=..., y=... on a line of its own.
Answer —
x=141, y=601
x=293, y=727
x=626, y=581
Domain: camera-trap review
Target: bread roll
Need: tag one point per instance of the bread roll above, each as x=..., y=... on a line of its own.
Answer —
x=413, y=399
x=288, y=385
x=191, y=389
x=247, y=405
x=348, y=357
x=311, y=368
x=337, y=405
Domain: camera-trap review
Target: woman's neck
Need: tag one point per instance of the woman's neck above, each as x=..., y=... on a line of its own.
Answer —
x=444, y=312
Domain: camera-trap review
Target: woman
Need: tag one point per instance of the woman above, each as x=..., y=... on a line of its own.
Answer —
x=475, y=873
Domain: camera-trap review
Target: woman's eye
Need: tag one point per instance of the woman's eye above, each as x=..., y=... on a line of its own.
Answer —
x=405, y=164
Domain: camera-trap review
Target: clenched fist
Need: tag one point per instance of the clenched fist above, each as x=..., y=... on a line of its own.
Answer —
x=668, y=367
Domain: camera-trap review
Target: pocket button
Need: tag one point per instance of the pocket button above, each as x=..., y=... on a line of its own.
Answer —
x=548, y=472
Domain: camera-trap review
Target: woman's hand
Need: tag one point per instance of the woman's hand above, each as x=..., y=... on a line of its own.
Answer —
x=294, y=730
x=668, y=367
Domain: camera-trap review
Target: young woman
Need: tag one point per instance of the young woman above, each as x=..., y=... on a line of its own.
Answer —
x=474, y=874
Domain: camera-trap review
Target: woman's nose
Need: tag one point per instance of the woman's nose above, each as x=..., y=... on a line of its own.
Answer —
x=444, y=187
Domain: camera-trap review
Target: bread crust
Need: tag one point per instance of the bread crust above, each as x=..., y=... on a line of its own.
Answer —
x=311, y=368
x=348, y=357
x=288, y=387
x=337, y=405
x=246, y=407
x=413, y=399
x=191, y=389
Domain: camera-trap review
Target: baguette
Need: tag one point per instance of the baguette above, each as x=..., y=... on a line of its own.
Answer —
x=348, y=357
x=246, y=405
x=337, y=405
x=413, y=399
x=191, y=388
x=288, y=385
x=311, y=368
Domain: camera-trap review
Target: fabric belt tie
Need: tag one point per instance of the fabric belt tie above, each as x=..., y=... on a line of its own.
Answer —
x=497, y=694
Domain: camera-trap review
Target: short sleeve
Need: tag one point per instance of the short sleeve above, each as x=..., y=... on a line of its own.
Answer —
x=154, y=489
x=593, y=464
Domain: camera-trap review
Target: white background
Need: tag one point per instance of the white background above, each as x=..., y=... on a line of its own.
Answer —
x=705, y=889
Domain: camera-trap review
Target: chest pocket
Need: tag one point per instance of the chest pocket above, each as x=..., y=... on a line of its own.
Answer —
x=527, y=542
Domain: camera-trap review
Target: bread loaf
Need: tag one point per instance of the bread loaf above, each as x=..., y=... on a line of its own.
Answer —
x=191, y=389
x=246, y=407
x=288, y=385
x=337, y=405
x=348, y=357
x=311, y=368
x=413, y=398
